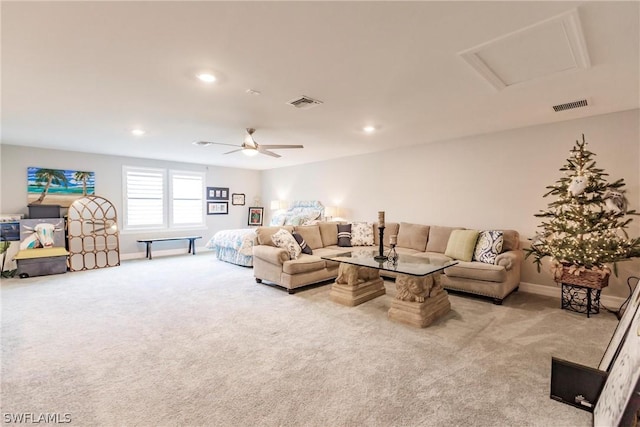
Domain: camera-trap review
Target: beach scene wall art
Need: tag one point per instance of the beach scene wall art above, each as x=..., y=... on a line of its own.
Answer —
x=57, y=186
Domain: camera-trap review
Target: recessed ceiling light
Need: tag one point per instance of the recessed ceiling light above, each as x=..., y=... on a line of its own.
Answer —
x=369, y=129
x=207, y=77
x=138, y=132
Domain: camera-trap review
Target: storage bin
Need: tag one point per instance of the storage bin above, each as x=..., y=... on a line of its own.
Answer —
x=41, y=262
x=44, y=211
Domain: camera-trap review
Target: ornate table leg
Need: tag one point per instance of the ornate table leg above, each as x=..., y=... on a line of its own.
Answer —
x=355, y=285
x=419, y=300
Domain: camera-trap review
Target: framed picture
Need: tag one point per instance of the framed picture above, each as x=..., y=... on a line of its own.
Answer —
x=58, y=186
x=217, y=193
x=255, y=215
x=622, y=330
x=237, y=199
x=217, y=208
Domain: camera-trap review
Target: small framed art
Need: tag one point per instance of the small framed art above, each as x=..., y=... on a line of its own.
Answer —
x=255, y=215
x=237, y=199
x=217, y=193
x=217, y=208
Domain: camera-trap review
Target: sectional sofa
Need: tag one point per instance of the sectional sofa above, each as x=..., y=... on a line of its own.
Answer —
x=492, y=280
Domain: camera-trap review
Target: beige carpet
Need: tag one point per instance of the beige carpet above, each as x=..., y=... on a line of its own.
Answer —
x=189, y=340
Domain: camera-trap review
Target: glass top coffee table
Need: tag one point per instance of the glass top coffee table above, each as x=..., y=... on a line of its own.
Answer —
x=420, y=298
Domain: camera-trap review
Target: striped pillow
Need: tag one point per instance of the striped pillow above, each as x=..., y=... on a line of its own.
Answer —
x=303, y=245
x=344, y=235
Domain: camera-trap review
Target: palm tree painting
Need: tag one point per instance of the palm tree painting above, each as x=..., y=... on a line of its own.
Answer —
x=58, y=186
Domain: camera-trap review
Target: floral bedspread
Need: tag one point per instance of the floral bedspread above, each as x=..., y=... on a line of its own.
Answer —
x=241, y=240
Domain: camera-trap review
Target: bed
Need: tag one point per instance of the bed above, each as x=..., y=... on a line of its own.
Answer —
x=235, y=246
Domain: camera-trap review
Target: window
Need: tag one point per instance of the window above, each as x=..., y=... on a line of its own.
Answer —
x=187, y=202
x=153, y=202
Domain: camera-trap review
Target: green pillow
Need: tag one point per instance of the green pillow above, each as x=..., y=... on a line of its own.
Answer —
x=461, y=244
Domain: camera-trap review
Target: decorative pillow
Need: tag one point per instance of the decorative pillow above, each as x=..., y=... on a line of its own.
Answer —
x=461, y=244
x=283, y=239
x=489, y=246
x=361, y=234
x=344, y=235
x=303, y=245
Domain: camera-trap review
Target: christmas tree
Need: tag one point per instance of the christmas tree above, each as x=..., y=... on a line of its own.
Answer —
x=585, y=226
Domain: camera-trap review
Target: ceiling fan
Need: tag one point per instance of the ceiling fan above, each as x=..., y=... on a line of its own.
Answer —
x=250, y=147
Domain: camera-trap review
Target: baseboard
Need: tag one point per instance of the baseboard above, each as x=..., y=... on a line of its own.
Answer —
x=155, y=253
x=552, y=291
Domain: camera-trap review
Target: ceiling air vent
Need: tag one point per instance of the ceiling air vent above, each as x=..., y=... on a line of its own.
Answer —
x=304, y=102
x=570, y=105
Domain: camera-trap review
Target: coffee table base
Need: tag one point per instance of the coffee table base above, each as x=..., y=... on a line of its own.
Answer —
x=420, y=314
x=357, y=294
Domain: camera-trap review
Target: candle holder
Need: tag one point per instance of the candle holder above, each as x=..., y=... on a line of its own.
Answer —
x=381, y=257
x=393, y=255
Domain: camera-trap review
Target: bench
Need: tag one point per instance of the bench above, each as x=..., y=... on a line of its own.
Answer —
x=191, y=239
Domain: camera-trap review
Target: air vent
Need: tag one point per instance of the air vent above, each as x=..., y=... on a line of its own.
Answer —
x=304, y=102
x=203, y=143
x=570, y=105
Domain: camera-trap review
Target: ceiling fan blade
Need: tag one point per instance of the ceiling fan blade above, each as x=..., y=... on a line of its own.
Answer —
x=233, y=151
x=282, y=146
x=205, y=143
x=268, y=153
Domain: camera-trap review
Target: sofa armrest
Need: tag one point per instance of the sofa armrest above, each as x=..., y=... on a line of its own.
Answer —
x=271, y=254
x=510, y=259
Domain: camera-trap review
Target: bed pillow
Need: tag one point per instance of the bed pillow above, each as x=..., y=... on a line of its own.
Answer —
x=461, y=244
x=489, y=246
x=283, y=239
x=361, y=234
x=344, y=235
x=303, y=245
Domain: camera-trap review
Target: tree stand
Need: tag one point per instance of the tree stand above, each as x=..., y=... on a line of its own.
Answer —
x=580, y=299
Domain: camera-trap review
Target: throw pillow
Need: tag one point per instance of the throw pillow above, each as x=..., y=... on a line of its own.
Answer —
x=461, y=244
x=489, y=246
x=303, y=245
x=361, y=234
x=344, y=235
x=283, y=239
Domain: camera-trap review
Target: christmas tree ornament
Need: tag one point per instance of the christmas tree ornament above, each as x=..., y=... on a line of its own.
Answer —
x=615, y=201
x=578, y=185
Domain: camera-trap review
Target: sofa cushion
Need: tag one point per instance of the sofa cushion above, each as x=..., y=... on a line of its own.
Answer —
x=361, y=234
x=303, y=245
x=390, y=229
x=477, y=271
x=511, y=240
x=264, y=234
x=304, y=264
x=413, y=236
x=283, y=239
x=461, y=244
x=488, y=246
x=311, y=235
x=329, y=233
x=439, y=238
x=344, y=235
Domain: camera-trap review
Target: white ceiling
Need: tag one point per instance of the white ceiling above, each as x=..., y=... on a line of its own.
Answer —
x=81, y=75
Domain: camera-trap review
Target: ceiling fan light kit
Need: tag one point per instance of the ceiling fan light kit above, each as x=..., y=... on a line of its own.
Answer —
x=250, y=147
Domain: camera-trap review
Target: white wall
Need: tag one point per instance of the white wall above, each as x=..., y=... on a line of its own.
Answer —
x=485, y=181
x=108, y=173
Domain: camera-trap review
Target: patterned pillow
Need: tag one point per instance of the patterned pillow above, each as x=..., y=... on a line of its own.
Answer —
x=489, y=246
x=283, y=239
x=344, y=235
x=361, y=234
x=303, y=245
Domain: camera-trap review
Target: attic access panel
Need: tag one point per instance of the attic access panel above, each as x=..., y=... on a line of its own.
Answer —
x=548, y=47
